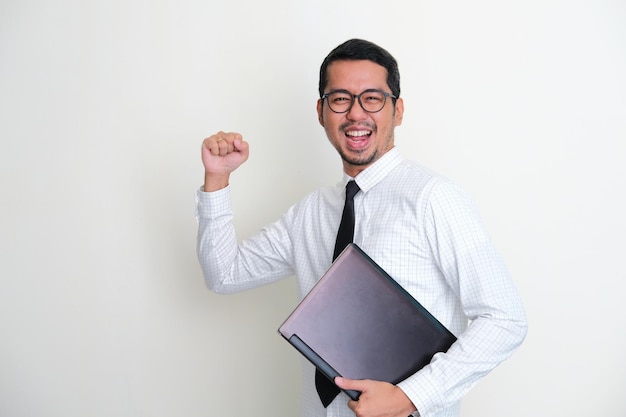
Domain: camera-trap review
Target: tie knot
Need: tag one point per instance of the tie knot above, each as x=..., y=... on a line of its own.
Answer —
x=351, y=189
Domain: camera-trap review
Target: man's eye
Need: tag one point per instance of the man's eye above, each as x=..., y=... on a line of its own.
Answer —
x=373, y=98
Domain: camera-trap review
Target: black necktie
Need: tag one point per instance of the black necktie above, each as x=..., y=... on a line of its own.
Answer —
x=326, y=389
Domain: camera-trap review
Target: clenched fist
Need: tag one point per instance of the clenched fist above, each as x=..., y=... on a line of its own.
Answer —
x=222, y=153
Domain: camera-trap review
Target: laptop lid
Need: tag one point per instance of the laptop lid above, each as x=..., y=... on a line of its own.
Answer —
x=359, y=323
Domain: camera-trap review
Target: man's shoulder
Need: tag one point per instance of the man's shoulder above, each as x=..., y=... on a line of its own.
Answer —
x=417, y=175
x=323, y=195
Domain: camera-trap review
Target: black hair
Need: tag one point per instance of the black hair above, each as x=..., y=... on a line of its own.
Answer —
x=359, y=49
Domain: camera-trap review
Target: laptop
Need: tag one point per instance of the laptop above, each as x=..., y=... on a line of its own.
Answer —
x=359, y=323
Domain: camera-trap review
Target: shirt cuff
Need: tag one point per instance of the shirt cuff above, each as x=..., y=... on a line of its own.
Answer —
x=213, y=204
x=421, y=391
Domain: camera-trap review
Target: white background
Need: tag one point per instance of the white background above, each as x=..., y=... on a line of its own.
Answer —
x=104, y=104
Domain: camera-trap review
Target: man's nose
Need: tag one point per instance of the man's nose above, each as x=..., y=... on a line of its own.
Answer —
x=356, y=112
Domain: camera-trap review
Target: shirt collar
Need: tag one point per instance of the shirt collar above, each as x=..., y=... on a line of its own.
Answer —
x=372, y=175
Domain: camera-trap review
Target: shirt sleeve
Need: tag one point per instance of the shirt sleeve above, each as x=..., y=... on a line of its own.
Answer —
x=227, y=265
x=469, y=263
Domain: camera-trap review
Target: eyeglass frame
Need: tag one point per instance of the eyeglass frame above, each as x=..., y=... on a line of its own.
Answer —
x=358, y=98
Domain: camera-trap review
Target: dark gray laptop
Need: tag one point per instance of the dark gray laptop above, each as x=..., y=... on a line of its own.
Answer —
x=359, y=323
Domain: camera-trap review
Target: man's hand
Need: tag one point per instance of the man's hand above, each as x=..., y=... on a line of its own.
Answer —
x=222, y=153
x=378, y=399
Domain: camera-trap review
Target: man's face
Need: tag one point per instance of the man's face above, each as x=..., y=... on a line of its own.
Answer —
x=359, y=137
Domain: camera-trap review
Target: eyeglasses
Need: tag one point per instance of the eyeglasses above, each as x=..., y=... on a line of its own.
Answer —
x=372, y=101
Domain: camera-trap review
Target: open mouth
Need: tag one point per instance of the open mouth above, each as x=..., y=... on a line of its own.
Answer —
x=358, y=139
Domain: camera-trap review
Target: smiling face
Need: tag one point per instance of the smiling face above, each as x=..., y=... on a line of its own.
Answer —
x=361, y=138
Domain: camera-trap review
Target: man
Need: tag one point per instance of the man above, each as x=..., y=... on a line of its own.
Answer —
x=421, y=228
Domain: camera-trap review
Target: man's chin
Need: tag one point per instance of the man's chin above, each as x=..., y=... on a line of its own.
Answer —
x=358, y=158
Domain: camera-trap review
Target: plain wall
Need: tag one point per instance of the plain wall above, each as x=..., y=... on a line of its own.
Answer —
x=103, y=107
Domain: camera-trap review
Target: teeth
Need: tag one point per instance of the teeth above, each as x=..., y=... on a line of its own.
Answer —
x=358, y=133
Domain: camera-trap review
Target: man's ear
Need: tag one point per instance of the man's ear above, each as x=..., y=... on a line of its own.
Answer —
x=320, y=110
x=399, y=111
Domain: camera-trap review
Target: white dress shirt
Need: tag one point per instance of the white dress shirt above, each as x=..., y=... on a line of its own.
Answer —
x=423, y=230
